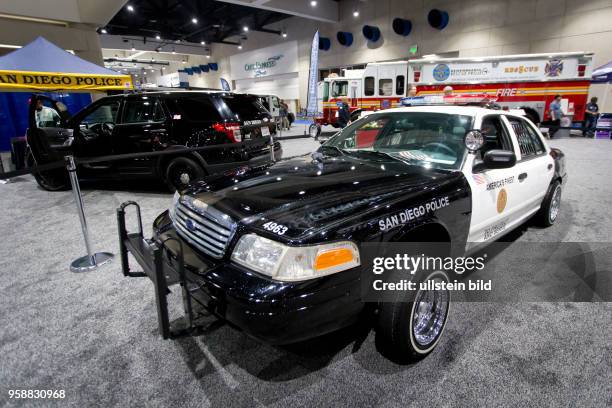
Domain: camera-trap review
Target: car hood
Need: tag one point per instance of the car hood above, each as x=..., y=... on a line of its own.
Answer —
x=311, y=193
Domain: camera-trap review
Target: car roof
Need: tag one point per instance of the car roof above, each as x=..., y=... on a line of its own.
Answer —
x=450, y=109
x=168, y=93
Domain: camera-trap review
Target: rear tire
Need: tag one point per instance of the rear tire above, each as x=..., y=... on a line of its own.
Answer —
x=52, y=180
x=181, y=171
x=410, y=328
x=551, y=205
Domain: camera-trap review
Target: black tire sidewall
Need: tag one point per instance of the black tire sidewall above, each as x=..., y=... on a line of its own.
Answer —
x=195, y=169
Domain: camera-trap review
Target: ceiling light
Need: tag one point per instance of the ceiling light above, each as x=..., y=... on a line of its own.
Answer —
x=103, y=31
x=245, y=28
x=184, y=62
x=194, y=20
x=130, y=8
x=133, y=48
x=152, y=71
x=208, y=56
x=284, y=35
x=356, y=13
x=313, y=3
x=158, y=37
x=240, y=47
x=203, y=42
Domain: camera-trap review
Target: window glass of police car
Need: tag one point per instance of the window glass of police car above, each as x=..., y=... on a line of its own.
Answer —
x=530, y=144
x=496, y=137
x=430, y=139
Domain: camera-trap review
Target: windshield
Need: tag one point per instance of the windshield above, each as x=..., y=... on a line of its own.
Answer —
x=430, y=139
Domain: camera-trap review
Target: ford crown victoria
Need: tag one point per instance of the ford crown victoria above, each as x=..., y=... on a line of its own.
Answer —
x=275, y=250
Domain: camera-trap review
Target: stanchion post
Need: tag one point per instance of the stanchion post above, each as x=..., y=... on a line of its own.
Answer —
x=92, y=260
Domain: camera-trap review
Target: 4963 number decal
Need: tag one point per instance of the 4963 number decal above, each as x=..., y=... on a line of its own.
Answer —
x=278, y=229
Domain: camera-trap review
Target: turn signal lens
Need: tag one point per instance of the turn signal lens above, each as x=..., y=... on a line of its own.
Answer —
x=333, y=257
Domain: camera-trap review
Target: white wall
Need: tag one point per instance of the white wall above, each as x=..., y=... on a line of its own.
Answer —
x=476, y=28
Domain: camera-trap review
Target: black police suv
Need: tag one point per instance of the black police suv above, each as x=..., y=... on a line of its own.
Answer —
x=145, y=123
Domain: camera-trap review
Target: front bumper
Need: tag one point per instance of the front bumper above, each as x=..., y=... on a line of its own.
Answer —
x=275, y=312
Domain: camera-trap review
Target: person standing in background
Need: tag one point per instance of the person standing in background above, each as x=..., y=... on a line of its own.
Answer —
x=556, y=113
x=284, y=112
x=344, y=115
x=590, y=118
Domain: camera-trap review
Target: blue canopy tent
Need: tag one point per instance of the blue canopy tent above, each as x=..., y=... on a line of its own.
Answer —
x=43, y=67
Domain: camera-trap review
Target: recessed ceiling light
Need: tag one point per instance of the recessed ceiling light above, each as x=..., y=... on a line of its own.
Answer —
x=184, y=62
x=208, y=56
x=203, y=42
x=194, y=20
x=245, y=28
x=158, y=37
x=174, y=52
x=103, y=31
x=240, y=47
x=313, y=3
x=130, y=7
x=284, y=35
x=356, y=13
x=133, y=48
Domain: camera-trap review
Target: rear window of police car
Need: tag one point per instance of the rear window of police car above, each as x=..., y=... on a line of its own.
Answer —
x=241, y=107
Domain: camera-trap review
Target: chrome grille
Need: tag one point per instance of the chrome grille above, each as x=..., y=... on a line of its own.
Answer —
x=206, y=228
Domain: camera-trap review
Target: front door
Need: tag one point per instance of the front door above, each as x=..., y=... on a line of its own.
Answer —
x=497, y=194
x=48, y=135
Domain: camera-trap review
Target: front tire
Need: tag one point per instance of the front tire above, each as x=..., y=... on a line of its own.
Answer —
x=410, y=328
x=181, y=171
x=551, y=206
x=51, y=180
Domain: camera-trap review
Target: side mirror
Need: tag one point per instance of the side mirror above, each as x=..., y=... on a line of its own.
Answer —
x=499, y=159
x=473, y=140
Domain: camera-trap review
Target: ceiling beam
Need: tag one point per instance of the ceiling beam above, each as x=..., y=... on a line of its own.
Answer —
x=325, y=10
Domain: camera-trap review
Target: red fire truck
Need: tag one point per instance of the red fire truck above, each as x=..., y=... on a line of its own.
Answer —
x=527, y=82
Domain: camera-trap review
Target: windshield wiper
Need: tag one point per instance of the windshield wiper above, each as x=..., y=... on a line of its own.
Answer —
x=330, y=147
x=373, y=153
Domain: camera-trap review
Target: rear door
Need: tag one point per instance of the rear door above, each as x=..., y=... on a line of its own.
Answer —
x=142, y=128
x=536, y=165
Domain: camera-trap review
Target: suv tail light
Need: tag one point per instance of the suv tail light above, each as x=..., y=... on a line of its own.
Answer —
x=581, y=70
x=232, y=130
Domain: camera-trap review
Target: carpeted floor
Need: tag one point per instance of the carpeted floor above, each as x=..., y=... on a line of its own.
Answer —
x=95, y=335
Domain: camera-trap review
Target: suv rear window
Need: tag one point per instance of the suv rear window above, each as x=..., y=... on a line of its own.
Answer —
x=241, y=107
x=196, y=108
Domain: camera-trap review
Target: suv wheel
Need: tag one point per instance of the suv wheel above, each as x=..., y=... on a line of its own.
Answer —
x=52, y=180
x=551, y=205
x=181, y=171
x=411, y=327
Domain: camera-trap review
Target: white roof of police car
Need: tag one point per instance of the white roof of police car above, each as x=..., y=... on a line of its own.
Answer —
x=451, y=109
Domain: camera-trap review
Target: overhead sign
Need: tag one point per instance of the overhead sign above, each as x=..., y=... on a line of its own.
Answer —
x=264, y=62
x=26, y=80
x=488, y=71
x=313, y=78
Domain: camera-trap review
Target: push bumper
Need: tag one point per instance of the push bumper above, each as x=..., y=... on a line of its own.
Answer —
x=272, y=311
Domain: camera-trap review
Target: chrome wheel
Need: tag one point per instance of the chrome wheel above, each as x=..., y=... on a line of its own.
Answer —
x=429, y=314
x=185, y=178
x=555, y=204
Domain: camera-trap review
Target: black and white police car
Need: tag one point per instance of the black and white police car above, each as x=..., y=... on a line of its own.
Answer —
x=275, y=250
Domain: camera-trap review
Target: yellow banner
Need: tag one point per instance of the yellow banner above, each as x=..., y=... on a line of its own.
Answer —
x=26, y=80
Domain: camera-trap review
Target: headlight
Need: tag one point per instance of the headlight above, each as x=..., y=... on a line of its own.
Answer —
x=288, y=263
x=172, y=210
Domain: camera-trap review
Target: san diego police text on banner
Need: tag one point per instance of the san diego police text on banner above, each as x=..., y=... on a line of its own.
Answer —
x=312, y=107
x=28, y=80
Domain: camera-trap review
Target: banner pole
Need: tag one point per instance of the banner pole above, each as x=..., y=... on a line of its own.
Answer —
x=90, y=261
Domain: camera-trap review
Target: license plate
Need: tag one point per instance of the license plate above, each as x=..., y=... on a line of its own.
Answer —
x=265, y=131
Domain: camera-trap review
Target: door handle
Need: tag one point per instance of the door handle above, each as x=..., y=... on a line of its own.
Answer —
x=522, y=176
